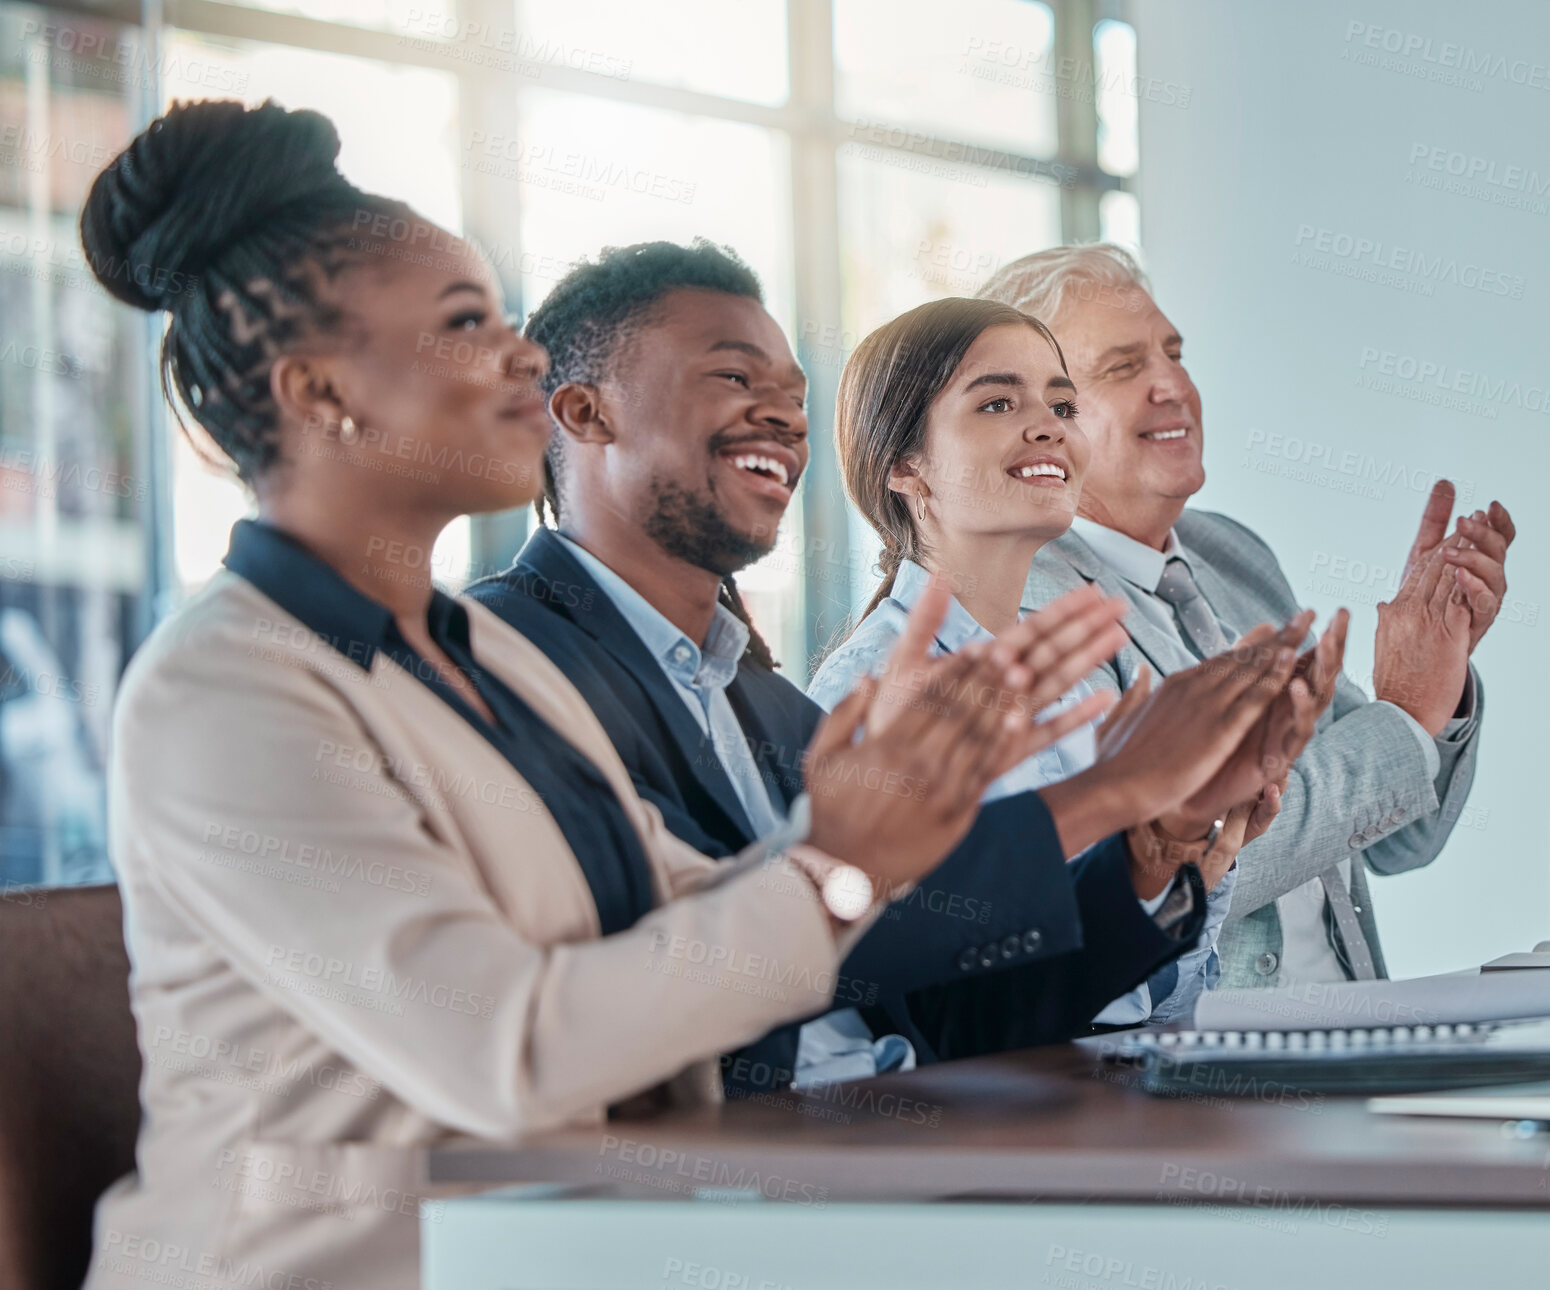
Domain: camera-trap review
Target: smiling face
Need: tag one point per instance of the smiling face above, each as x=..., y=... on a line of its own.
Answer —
x=443, y=389
x=706, y=433
x=1140, y=410
x=1003, y=452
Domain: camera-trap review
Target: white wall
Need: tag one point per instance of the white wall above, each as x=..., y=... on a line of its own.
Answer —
x=1294, y=151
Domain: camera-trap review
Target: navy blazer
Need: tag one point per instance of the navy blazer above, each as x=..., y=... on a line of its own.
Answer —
x=1005, y=945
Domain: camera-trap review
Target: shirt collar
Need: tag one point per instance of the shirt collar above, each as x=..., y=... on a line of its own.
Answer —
x=724, y=646
x=959, y=627
x=311, y=590
x=1134, y=561
x=712, y=667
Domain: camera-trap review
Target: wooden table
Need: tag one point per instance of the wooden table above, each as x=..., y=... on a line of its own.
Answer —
x=1060, y=1172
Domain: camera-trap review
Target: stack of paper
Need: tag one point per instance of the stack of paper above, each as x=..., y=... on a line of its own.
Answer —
x=1511, y=962
x=1419, y=1001
x=1520, y=1102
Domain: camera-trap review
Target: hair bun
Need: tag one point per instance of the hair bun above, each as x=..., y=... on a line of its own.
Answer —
x=195, y=182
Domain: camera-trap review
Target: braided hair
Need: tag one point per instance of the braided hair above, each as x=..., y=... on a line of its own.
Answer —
x=233, y=220
x=586, y=320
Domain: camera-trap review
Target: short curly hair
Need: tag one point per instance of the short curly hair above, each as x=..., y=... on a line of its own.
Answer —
x=595, y=307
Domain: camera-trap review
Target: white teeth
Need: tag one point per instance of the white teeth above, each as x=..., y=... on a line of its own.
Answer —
x=751, y=461
x=1043, y=468
x=1159, y=435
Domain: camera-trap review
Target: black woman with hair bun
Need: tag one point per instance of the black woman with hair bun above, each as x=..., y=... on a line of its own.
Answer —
x=386, y=882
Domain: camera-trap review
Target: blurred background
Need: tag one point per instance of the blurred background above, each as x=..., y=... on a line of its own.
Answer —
x=863, y=156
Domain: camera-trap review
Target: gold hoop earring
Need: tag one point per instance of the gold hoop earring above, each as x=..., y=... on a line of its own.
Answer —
x=920, y=507
x=349, y=432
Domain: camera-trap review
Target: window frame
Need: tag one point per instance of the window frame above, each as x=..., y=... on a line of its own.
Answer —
x=815, y=133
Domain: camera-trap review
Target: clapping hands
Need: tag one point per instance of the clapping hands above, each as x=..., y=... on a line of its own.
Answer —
x=896, y=771
x=1215, y=742
x=1452, y=590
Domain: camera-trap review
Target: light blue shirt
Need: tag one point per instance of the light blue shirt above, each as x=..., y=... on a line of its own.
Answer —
x=866, y=652
x=831, y=1048
x=700, y=677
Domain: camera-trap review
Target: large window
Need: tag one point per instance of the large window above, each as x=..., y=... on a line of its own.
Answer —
x=76, y=585
x=862, y=155
x=385, y=112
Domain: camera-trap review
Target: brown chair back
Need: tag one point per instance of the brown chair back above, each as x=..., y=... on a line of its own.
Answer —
x=69, y=1078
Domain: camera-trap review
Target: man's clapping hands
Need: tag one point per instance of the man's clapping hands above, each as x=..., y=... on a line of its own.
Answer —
x=1453, y=588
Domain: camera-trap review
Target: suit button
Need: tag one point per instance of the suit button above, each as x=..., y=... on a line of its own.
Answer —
x=968, y=959
x=989, y=956
x=1266, y=963
x=1009, y=947
x=1356, y=909
x=1032, y=939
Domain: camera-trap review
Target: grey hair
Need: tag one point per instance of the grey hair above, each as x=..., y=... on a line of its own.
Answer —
x=1039, y=284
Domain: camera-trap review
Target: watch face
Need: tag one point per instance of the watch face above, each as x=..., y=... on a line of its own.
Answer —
x=847, y=892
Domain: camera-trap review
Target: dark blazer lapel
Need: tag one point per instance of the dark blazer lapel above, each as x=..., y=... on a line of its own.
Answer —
x=779, y=721
x=589, y=607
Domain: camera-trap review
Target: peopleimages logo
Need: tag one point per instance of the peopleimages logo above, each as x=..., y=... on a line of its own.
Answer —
x=1437, y=382
x=503, y=48
x=91, y=53
x=1482, y=179
x=1372, y=259
x=1343, y=469
x=512, y=157
x=1440, y=60
x=1485, y=169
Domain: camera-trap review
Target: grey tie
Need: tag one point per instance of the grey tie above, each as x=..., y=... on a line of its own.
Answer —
x=1358, y=954
x=1197, y=622
x=1200, y=630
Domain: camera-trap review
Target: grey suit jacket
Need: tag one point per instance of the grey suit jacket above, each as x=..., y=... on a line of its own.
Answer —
x=1360, y=788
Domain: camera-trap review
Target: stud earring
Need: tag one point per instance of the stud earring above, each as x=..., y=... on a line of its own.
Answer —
x=349, y=432
x=920, y=507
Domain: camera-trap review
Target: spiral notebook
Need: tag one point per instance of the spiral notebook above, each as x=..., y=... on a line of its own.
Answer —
x=1292, y=1064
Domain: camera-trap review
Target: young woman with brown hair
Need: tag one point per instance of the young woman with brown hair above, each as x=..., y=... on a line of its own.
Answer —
x=959, y=439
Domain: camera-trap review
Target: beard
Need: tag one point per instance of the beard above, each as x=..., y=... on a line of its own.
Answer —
x=689, y=527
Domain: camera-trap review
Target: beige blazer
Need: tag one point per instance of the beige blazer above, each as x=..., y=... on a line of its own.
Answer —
x=355, y=933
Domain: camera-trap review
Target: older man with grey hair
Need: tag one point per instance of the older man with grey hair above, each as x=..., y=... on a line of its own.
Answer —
x=1382, y=783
